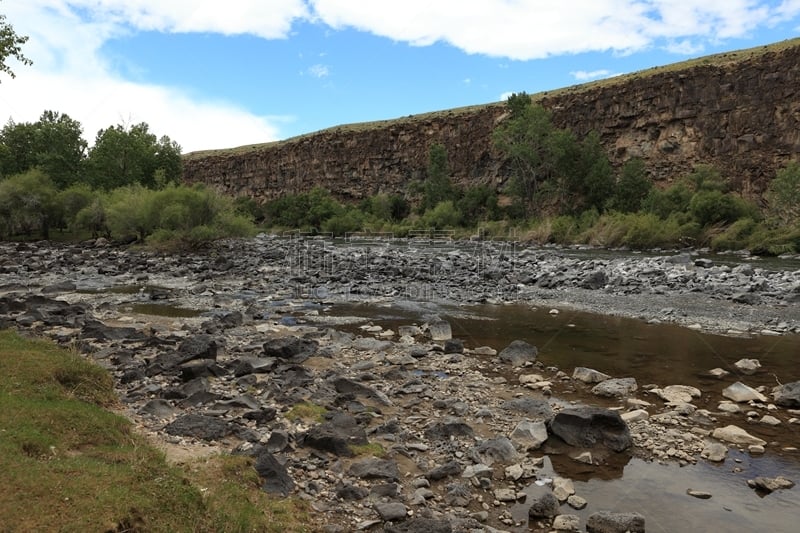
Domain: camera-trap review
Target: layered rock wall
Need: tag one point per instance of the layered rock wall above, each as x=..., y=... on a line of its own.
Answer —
x=743, y=117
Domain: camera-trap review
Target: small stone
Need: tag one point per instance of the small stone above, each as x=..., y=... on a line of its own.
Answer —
x=391, y=511
x=637, y=415
x=514, y=472
x=505, y=495
x=714, y=451
x=747, y=367
x=567, y=522
x=739, y=392
x=576, y=502
x=608, y=522
x=698, y=494
x=770, y=420
x=584, y=457
x=563, y=488
x=718, y=373
x=756, y=449
x=767, y=484
x=728, y=407
x=589, y=375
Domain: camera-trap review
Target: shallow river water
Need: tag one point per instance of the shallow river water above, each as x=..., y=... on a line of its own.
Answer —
x=652, y=353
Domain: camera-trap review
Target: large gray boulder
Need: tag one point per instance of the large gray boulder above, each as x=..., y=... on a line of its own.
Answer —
x=592, y=426
x=615, y=387
x=788, y=395
x=518, y=353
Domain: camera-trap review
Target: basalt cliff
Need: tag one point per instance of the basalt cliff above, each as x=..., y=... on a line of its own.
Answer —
x=739, y=112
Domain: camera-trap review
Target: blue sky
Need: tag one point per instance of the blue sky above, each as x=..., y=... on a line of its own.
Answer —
x=214, y=74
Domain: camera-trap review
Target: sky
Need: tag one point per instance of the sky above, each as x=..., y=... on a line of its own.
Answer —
x=219, y=74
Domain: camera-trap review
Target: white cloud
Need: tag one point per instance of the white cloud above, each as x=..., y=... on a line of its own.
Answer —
x=70, y=75
x=535, y=29
x=319, y=71
x=582, y=75
x=505, y=96
x=685, y=47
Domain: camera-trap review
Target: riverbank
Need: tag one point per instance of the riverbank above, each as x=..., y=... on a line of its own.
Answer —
x=416, y=426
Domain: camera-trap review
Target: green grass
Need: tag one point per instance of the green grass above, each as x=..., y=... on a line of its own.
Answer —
x=67, y=464
x=373, y=449
x=306, y=411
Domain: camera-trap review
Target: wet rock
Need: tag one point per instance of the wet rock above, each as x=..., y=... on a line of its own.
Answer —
x=198, y=426
x=747, y=366
x=518, y=353
x=453, y=346
x=274, y=475
x=608, y=522
x=529, y=435
x=567, y=522
x=576, y=502
x=714, y=451
x=788, y=395
x=736, y=435
x=678, y=393
x=373, y=468
x=533, y=408
x=440, y=330
x=699, y=494
x=449, y=469
x=335, y=436
x=450, y=427
x=588, y=375
x=767, y=484
x=543, y=505
x=718, y=373
x=293, y=349
x=615, y=387
x=739, y=392
x=563, y=488
x=590, y=426
x=420, y=525
x=391, y=511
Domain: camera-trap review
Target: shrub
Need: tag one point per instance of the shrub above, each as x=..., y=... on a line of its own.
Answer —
x=783, y=196
x=735, y=236
x=444, y=215
x=632, y=187
x=563, y=229
x=675, y=199
x=713, y=207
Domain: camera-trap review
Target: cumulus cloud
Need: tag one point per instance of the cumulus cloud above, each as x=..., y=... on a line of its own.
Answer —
x=71, y=75
x=535, y=29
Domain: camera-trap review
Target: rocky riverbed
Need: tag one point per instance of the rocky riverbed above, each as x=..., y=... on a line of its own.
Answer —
x=236, y=349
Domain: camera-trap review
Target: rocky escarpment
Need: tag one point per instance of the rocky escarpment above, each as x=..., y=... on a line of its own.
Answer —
x=739, y=112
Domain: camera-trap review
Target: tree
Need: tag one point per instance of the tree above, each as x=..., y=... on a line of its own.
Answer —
x=437, y=186
x=525, y=137
x=126, y=155
x=27, y=204
x=783, y=196
x=632, y=187
x=11, y=46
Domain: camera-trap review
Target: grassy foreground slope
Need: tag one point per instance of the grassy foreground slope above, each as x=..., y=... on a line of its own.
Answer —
x=68, y=464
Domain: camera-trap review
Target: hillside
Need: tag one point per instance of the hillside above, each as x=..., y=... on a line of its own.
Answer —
x=738, y=111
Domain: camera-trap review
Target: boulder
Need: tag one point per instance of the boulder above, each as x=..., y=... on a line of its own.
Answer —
x=591, y=426
x=450, y=427
x=198, y=426
x=747, y=366
x=373, y=468
x=518, y=353
x=497, y=450
x=739, y=392
x=768, y=484
x=788, y=395
x=449, y=469
x=274, y=475
x=391, y=511
x=535, y=409
x=567, y=522
x=615, y=387
x=543, y=505
x=530, y=435
x=588, y=375
x=293, y=349
x=440, y=330
x=736, y=435
x=608, y=522
x=335, y=436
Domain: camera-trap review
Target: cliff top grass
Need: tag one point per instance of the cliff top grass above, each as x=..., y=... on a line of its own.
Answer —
x=69, y=464
x=724, y=59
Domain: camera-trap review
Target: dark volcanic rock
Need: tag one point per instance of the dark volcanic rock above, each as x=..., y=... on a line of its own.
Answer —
x=335, y=436
x=372, y=468
x=351, y=492
x=451, y=427
x=590, y=426
x=543, y=505
x=518, y=353
x=276, y=478
x=448, y=469
x=198, y=426
x=197, y=347
x=608, y=522
x=97, y=330
x=534, y=408
x=788, y=395
x=293, y=349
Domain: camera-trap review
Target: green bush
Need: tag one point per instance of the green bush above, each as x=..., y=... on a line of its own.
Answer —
x=735, y=236
x=563, y=229
x=714, y=207
x=478, y=203
x=675, y=199
x=349, y=221
x=632, y=187
x=305, y=210
x=444, y=215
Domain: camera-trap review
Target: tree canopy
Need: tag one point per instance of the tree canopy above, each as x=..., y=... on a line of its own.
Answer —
x=11, y=46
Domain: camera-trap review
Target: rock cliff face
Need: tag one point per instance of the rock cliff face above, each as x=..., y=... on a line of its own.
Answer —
x=741, y=116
